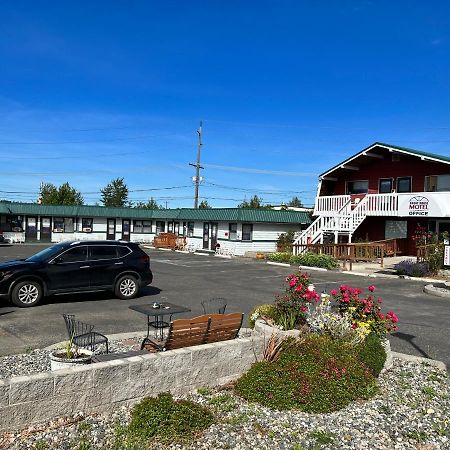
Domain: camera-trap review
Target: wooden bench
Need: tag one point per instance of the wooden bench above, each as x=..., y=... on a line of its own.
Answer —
x=204, y=329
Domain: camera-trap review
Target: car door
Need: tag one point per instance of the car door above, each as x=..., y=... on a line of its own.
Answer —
x=69, y=271
x=104, y=265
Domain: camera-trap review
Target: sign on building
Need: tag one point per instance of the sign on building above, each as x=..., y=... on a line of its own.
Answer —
x=418, y=205
x=447, y=255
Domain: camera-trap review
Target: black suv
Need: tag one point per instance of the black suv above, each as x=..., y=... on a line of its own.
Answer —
x=69, y=267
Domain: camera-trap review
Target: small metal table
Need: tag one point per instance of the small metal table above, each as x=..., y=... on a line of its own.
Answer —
x=164, y=309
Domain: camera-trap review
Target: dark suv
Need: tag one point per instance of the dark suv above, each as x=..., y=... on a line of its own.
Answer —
x=68, y=267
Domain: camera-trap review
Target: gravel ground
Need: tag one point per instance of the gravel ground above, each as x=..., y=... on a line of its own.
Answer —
x=411, y=412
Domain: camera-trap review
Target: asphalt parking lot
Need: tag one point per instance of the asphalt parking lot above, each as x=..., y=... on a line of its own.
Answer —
x=187, y=279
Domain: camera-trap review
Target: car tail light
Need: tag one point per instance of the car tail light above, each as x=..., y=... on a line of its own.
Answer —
x=145, y=259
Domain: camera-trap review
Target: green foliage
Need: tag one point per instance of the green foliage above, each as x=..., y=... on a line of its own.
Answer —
x=65, y=194
x=285, y=241
x=318, y=375
x=372, y=353
x=295, y=202
x=322, y=437
x=306, y=259
x=255, y=202
x=223, y=403
x=167, y=420
x=266, y=312
x=115, y=194
x=151, y=204
x=204, y=205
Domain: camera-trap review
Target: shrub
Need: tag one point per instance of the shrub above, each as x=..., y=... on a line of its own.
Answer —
x=315, y=260
x=412, y=269
x=167, y=420
x=265, y=312
x=319, y=375
x=372, y=353
x=281, y=257
x=285, y=241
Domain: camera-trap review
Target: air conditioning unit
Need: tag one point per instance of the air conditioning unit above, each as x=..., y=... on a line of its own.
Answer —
x=395, y=157
x=87, y=230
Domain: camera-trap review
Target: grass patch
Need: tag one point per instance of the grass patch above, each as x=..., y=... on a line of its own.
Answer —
x=322, y=437
x=418, y=436
x=205, y=391
x=429, y=391
x=319, y=375
x=223, y=402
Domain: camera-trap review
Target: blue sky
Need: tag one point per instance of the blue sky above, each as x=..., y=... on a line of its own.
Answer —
x=90, y=91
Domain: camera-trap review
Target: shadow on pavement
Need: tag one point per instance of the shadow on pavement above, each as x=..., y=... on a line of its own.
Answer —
x=409, y=338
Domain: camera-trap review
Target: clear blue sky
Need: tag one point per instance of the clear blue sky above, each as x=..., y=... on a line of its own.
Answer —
x=93, y=90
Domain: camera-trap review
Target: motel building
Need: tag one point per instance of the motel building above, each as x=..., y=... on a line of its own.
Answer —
x=383, y=192
x=237, y=230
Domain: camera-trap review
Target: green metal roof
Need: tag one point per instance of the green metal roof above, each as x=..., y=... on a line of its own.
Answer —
x=440, y=158
x=213, y=214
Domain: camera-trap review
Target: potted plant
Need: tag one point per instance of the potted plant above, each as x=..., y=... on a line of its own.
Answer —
x=69, y=356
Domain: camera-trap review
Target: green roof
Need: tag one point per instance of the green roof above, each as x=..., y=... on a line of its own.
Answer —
x=440, y=158
x=213, y=214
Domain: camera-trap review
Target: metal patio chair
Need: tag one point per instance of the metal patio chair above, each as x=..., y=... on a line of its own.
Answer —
x=214, y=305
x=82, y=334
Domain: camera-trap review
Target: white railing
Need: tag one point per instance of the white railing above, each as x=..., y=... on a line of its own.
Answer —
x=330, y=204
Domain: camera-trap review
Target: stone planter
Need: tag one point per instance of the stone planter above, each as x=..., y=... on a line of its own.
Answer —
x=262, y=327
x=58, y=361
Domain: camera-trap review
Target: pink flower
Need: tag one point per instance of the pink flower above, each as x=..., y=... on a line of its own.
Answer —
x=371, y=288
x=392, y=317
x=333, y=292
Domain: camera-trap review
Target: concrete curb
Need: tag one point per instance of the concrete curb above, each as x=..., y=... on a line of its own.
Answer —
x=413, y=358
x=318, y=269
x=437, y=292
x=272, y=263
x=201, y=254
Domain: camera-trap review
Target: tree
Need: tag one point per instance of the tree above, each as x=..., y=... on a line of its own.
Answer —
x=115, y=194
x=255, y=202
x=295, y=202
x=151, y=204
x=204, y=205
x=65, y=194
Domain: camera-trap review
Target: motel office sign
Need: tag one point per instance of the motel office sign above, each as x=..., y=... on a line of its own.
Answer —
x=435, y=204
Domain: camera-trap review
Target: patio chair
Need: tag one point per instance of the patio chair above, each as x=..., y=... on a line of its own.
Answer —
x=82, y=334
x=224, y=327
x=214, y=305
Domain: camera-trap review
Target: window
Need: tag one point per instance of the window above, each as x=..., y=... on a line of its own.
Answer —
x=77, y=254
x=63, y=225
x=357, y=187
x=437, y=183
x=190, y=229
x=123, y=251
x=97, y=252
x=247, y=231
x=86, y=225
x=176, y=228
x=385, y=185
x=395, y=229
x=404, y=184
x=142, y=226
x=160, y=226
x=170, y=227
x=14, y=223
x=232, y=234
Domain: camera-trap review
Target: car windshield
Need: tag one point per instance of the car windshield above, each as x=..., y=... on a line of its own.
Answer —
x=47, y=253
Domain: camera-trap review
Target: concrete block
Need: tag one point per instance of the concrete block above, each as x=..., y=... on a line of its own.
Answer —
x=173, y=360
x=73, y=380
x=127, y=391
x=15, y=417
x=29, y=388
x=110, y=372
x=4, y=393
x=145, y=368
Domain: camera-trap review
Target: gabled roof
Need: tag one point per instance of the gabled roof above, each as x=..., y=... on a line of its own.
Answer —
x=213, y=214
x=409, y=151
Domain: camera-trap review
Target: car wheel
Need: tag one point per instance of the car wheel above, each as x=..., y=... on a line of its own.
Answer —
x=126, y=287
x=26, y=294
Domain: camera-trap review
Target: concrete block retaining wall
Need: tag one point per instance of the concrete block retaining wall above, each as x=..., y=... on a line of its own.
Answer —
x=101, y=387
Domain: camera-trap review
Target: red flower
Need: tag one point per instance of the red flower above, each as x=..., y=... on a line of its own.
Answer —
x=371, y=288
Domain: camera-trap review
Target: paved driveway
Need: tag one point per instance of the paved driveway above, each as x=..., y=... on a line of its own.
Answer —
x=188, y=279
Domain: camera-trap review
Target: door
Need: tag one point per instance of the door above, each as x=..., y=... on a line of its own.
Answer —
x=126, y=225
x=46, y=229
x=205, y=235
x=104, y=265
x=214, y=227
x=31, y=229
x=111, y=230
x=69, y=271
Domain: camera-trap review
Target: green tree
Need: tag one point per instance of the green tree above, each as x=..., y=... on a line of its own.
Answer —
x=65, y=194
x=151, y=204
x=204, y=205
x=254, y=202
x=295, y=202
x=115, y=194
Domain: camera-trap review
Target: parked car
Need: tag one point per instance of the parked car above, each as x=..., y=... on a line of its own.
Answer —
x=69, y=267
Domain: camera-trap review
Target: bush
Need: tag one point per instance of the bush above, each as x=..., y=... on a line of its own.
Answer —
x=266, y=312
x=319, y=375
x=167, y=420
x=315, y=260
x=372, y=353
x=412, y=269
x=285, y=241
x=279, y=257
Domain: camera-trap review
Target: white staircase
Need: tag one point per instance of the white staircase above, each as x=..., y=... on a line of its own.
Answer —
x=338, y=215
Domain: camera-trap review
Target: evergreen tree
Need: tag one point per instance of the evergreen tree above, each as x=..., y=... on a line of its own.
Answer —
x=115, y=194
x=63, y=195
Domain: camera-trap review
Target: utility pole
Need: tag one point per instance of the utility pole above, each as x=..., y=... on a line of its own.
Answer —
x=197, y=166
